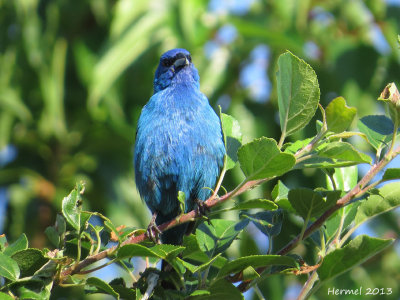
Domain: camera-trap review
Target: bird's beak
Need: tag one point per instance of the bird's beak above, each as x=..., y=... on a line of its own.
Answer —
x=181, y=62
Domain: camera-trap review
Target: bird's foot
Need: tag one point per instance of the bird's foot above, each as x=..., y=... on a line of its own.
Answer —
x=153, y=233
x=202, y=210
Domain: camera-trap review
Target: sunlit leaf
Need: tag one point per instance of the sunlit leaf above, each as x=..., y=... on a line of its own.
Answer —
x=233, y=139
x=280, y=196
x=338, y=115
x=4, y=296
x=345, y=178
x=263, y=204
x=261, y=158
x=378, y=129
x=256, y=261
x=351, y=255
x=20, y=244
x=391, y=174
x=71, y=207
x=218, y=236
x=344, y=152
x=159, y=251
x=102, y=285
x=309, y=204
x=8, y=267
x=298, y=93
x=387, y=199
x=29, y=261
x=268, y=222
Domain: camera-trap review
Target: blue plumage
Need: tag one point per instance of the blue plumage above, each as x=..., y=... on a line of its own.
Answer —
x=179, y=143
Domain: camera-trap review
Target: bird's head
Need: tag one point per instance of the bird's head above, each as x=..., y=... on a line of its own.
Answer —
x=175, y=67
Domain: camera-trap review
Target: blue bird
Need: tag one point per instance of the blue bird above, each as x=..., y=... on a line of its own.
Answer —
x=179, y=143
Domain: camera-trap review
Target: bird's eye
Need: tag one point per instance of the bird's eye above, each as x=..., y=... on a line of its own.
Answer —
x=166, y=62
x=189, y=58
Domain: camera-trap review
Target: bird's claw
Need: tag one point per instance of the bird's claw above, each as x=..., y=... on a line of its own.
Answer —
x=202, y=210
x=153, y=232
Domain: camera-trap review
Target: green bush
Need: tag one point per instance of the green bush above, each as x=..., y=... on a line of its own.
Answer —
x=73, y=79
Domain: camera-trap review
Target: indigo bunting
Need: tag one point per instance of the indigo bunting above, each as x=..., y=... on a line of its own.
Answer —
x=179, y=143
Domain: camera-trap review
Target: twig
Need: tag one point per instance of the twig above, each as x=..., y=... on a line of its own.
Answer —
x=377, y=167
x=307, y=286
x=152, y=282
x=190, y=216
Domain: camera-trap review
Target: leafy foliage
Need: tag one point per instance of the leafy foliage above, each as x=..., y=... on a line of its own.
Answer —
x=74, y=77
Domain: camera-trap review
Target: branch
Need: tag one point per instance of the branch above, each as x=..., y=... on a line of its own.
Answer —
x=190, y=216
x=355, y=192
x=214, y=201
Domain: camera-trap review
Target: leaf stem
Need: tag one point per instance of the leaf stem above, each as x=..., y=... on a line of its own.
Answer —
x=304, y=228
x=220, y=179
x=395, y=129
x=97, y=268
x=304, y=293
x=258, y=292
x=282, y=139
x=97, y=238
x=377, y=167
x=305, y=157
x=336, y=240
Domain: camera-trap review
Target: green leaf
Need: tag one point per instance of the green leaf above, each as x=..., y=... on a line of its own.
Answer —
x=29, y=261
x=102, y=286
x=200, y=293
x=182, y=200
x=345, y=178
x=119, y=286
x=20, y=244
x=338, y=115
x=354, y=253
x=333, y=223
x=324, y=163
x=391, y=174
x=159, y=251
x=60, y=225
x=280, y=196
x=84, y=218
x=298, y=93
x=387, y=199
x=71, y=207
x=255, y=203
x=8, y=268
x=218, y=236
x=292, y=148
x=52, y=235
x=261, y=158
x=110, y=227
x=192, y=252
x=249, y=274
x=309, y=204
x=194, y=268
x=256, y=261
x=268, y=222
x=221, y=290
x=4, y=296
x=232, y=137
x=30, y=294
x=344, y=152
x=378, y=129
x=181, y=197
x=165, y=251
